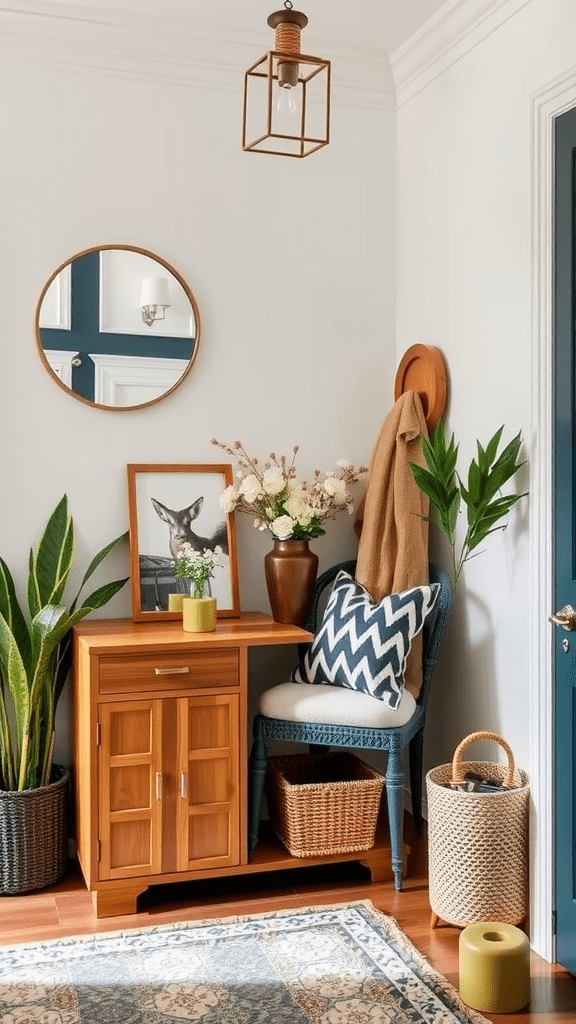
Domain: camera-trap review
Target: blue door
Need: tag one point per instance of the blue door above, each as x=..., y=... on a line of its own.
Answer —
x=565, y=540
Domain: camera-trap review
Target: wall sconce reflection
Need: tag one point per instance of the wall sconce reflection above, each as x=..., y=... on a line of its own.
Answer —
x=154, y=299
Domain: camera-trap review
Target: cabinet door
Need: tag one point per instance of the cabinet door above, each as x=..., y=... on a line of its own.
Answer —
x=208, y=807
x=130, y=783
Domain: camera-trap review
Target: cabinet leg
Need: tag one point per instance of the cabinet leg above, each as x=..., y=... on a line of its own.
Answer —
x=379, y=865
x=116, y=902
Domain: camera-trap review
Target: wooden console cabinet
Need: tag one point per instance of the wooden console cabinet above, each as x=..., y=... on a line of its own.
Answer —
x=161, y=756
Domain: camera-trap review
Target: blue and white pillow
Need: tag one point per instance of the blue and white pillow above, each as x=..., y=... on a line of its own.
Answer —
x=363, y=644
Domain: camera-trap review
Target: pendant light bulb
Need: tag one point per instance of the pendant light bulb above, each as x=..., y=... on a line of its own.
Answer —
x=286, y=93
x=286, y=101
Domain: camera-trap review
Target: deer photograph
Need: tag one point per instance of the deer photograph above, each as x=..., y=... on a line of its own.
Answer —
x=173, y=509
x=181, y=532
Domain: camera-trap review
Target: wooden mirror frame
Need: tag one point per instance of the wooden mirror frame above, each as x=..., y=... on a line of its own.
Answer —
x=157, y=259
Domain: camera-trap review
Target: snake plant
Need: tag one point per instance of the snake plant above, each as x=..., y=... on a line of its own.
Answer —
x=485, y=506
x=35, y=656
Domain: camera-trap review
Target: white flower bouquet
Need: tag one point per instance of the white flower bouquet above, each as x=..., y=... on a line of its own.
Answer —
x=198, y=567
x=279, y=501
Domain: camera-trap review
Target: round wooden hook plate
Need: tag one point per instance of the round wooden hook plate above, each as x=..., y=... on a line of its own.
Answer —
x=422, y=369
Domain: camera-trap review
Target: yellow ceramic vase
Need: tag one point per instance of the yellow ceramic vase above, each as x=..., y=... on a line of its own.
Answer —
x=199, y=614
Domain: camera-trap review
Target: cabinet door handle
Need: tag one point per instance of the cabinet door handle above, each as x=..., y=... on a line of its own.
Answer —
x=158, y=785
x=184, y=784
x=172, y=671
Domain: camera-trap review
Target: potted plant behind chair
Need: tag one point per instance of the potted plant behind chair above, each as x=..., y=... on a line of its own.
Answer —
x=485, y=505
x=35, y=659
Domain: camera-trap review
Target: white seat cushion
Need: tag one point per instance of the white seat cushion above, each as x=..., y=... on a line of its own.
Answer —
x=334, y=705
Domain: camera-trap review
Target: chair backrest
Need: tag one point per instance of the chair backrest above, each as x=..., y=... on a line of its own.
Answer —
x=433, y=627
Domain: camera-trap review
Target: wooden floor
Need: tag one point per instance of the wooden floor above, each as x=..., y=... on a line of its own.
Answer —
x=66, y=909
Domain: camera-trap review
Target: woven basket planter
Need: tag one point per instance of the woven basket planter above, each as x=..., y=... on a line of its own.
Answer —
x=478, y=843
x=34, y=835
x=322, y=804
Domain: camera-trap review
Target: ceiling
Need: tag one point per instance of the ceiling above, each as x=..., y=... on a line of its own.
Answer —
x=379, y=26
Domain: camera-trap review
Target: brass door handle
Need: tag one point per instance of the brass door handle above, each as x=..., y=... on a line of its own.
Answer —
x=566, y=618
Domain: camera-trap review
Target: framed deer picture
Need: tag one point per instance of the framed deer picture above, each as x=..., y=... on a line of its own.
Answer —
x=173, y=510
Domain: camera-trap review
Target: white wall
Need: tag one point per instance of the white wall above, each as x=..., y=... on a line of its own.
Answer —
x=465, y=236
x=464, y=265
x=291, y=263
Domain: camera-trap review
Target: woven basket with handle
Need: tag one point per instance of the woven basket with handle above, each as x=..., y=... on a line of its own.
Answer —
x=478, y=842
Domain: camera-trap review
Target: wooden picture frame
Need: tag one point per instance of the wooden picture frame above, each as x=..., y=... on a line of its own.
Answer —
x=168, y=505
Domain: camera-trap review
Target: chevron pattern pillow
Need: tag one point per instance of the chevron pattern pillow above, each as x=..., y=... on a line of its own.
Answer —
x=363, y=644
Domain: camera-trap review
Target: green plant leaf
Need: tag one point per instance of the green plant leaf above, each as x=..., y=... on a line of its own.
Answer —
x=453, y=510
x=429, y=484
x=51, y=561
x=7, y=765
x=504, y=468
x=478, y=538
x=96, y=562
x=44, y=625
x=483, y=463
x=492, y=446
x=10, y=609
x=34, y=662
x=102, y=596
x=48, y=627
x=474, y=483
x=98, y=599
x=495, y=510
x=486, y=476
x=15, y=680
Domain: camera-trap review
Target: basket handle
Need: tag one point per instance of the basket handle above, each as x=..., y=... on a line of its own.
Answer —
x=458, y=767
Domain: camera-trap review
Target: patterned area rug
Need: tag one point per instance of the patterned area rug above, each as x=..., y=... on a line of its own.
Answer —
x=345, y=964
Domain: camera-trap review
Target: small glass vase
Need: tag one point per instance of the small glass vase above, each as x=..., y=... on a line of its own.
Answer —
x=199, y=613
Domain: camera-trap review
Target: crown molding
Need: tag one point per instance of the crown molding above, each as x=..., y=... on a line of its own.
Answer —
x=86, y=40
x=457, y=28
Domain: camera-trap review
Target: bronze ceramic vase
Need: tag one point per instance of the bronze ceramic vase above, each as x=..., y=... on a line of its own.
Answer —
x=290, y=570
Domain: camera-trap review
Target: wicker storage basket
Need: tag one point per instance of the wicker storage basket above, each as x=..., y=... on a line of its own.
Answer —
x=33, y=835
x=478, y=843
x=322, y=804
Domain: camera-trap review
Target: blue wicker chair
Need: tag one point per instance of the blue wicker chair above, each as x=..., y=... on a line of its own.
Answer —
x=336, y=708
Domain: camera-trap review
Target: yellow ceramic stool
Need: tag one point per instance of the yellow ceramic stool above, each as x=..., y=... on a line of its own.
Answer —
x=494, y=967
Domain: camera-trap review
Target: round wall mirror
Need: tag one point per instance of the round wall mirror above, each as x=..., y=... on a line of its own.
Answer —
x=117, y=327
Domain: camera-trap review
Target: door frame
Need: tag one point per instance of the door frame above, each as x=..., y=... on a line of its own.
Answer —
x=547, y=104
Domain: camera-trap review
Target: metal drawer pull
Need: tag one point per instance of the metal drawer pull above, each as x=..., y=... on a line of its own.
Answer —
x=184, y=784
x=172, y=671
x=158, y=785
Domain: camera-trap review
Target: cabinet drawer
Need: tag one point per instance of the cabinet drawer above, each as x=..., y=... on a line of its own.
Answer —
x=175, y=671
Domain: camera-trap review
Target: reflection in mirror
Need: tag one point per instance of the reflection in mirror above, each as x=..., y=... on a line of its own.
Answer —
x=117, y=327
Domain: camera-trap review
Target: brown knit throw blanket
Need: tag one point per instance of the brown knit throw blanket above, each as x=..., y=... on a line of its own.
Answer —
x=393, y=549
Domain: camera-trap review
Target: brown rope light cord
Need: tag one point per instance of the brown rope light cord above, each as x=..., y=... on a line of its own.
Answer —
x=288, y=25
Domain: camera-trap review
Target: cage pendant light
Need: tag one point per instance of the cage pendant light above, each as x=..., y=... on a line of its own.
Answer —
x=287, y=94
